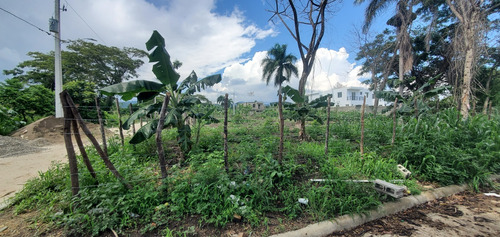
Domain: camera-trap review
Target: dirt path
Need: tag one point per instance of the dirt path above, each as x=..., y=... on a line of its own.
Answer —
x=16, y=170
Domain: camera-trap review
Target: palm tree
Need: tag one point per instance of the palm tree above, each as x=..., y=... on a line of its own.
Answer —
x=402, y=21
x=279, y=66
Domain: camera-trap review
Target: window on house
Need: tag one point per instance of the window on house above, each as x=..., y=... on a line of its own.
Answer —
x=373, y=96
x=339, y=95
x=360, y=93
x=353, y=95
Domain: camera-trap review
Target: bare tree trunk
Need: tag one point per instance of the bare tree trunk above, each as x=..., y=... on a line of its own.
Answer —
x=401, y=72
x=101, y=124
x=394, y=121
x=226, y=162
x=119, y=121
x=73, y=167
x=327, y=133
x=362, y=140
x=159, y=143
x=466, y=85
x=282, y=125
x=92, y=139
x=487, y=92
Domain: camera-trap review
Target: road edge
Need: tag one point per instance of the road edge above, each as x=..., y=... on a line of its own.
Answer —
x=347, y=222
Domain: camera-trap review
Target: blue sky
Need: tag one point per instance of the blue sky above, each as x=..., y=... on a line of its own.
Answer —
x=209, y=36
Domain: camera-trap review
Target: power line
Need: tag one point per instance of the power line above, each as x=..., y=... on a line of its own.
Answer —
x=29, y=23
x=81, y=18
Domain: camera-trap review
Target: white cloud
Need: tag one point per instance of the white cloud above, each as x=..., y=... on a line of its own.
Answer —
x=197, y=36
x=245, y=79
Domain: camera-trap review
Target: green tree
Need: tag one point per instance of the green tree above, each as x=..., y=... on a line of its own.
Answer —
x=221, y=100
x=401, y=21
x=279, y=67
x=83, y=94
x=100, y=64
x=379, y=62
x=27, y=101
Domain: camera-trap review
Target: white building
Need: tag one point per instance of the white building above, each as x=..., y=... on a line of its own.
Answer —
x=352, y=96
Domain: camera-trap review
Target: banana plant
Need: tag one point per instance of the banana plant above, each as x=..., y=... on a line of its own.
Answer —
x=182, y=100
x=306, y=109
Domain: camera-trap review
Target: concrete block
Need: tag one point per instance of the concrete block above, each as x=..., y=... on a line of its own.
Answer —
x=404, y=172
x=388, y=188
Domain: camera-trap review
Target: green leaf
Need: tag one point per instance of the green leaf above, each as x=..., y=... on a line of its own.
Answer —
x=185, y=137
x=293, y=94
x=162, y=68
x=192, y=84
x=130, y=89
x=144, y=132
x=320, y=102
x=156, y=40
x=141, y=112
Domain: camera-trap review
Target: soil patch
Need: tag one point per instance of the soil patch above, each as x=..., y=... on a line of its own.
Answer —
x=51, y=129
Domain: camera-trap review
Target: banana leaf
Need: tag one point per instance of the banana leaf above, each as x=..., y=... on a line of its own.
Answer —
x=144, y=132
x=163, y=68
x=130, y=89
x=293, y=94
x=141, y=112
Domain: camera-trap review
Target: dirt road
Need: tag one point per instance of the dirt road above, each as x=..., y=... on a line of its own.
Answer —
x=16, y=170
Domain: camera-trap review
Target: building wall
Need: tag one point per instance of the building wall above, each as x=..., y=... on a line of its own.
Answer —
x=353, y=96
x=256, y=106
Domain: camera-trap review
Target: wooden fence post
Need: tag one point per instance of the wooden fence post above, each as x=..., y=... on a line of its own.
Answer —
x=226, y=162
x=394, y=121
x=327, y=133
x=85, y=157
x=133, y=122
x=101, y=124
x=361, y=143
x=119, y=121
x=73, y=167
x=92, y=139
x=159, y=144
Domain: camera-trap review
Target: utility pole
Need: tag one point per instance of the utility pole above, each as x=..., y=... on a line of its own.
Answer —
x=55, y=26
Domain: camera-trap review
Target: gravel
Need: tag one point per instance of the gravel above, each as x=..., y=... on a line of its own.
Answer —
x=11, y=146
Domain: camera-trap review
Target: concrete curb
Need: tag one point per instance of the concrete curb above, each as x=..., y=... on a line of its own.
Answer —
x=347, y=222
x=4, y=204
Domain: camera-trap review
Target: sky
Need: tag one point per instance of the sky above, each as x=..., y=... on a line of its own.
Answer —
x=230, y=37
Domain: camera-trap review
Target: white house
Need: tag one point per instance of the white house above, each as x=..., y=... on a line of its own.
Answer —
x=352, y=96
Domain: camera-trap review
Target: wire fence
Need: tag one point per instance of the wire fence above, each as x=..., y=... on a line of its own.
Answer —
x=344, y=126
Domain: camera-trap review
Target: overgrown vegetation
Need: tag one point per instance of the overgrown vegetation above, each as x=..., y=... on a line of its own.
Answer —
x=435, y=147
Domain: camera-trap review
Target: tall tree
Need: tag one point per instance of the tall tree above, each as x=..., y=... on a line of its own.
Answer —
x=402, y=21
x=279, y=67
x=379, y=57
x=311, y=15
x=473, y=20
